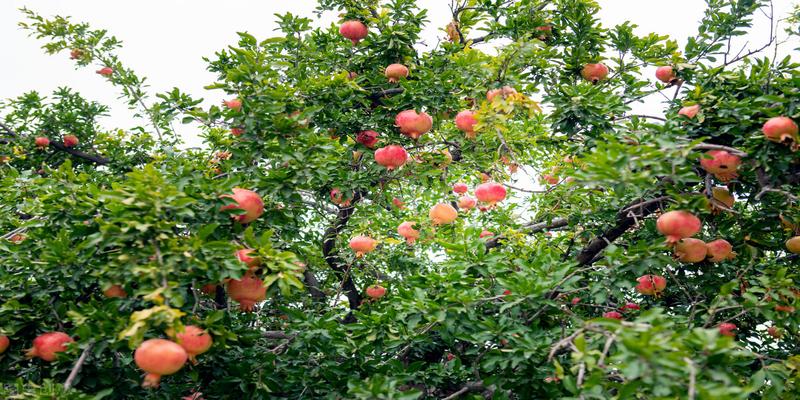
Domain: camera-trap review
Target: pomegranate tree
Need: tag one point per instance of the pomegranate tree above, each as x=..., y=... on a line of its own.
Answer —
x=395, y=72
x=594, y=72
x=354, y=30
x=722, y=164
x=442, y=214
x=391, y=157
x=676, y=225
x=651, y=285
x=194, y=340
x=248, y=201
x=247, y=291
x=413, y=124
x=363, y=245
x=406, y=230
x=46, y=345
x=690, y=250
x=159, y=357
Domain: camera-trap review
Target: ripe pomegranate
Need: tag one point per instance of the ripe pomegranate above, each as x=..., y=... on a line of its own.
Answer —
x=490, y=192
x=398, y=203
x=375, y=292
x=689, y=111
x=630, y=306
x=722, y=164
x=363, y=245
x=4, y=343
x=195, y=341
x=594, y=72
x=244, y=256
x=772, y=331
x=612, y=315
x=412, y=124
x=233, y=104
x=504, y=92
x=651, y=285
x=337, y=197
x=70, y=140
x=450, y=356
x=721, y=196
x=720, y=250
x=443, y=213
x=676, y=225
x=237, y=131
x=690, y=250
x=46, y=345
x=466, y=203
x=395, y=72
x=391, y=157
x=353, y=30
x=726, y=329
x=367, y=138
x=115, y=291
x=460, y=188
x=246, y=200
x=575, y=301
x=465, y=122
x=41, y=142
x=406, y=230
x=105, y=71
x=75, y=54
x=782, y=130
x=247, y=291
x=159, y=357
x=793, y=245
x=485, y=233
x=550, y=179
x=506, y=292
x=666, y=74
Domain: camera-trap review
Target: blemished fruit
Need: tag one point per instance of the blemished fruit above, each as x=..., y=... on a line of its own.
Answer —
x=651, y=285
x=195, y=341
x=115, y=291
x=594, y=72
x=720, y=250
x=237, y=131
x=70, y=140
x=460, y=188
x=782, y=130
x=233, y=104
x=353, y=30
x=413, y=124
x=722, y=164
x=375, y=292
x=612, y=315
x=105, y=71
x=689, y=111
x=666, y=74
x=690, y=250
x=246, y=200
x=676, y=225
x=442, y=214
x=247, y=291
x=465, y=122
x=244, y=256
x=395, y=72
x=727, y=329
x=490, y=193
x=46, y=345
x=41, y=142
x=793, y=245
x=485, y=233
x=503, y=92
x=363, y=245
x=406, y=230
x=367, y=138
x=466, y=203
x=391, y=157
x=159, y=357
x=4, y=343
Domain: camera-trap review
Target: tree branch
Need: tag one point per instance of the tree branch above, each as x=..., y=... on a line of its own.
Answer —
x=333, y=259
x=530, y=229
x=77, y=368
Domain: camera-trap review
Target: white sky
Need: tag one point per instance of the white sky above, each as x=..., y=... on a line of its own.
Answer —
x=166, y=40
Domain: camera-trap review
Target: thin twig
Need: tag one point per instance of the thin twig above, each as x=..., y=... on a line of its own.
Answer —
x=77, y=368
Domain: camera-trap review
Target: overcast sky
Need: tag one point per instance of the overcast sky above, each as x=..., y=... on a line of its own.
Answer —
x=166, y=40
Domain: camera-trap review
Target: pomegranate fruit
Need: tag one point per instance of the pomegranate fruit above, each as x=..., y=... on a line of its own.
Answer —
x=391, y=157
x=237, y=131
x=115, y=291
x=46, y=345
x=363, y=245
x=395, y=72
x=248, y=201
x=105, y=71
x=159, y=357
x=676, y=225
x=772, y=331
x=721, y=164
x=244, y=256
x=247, y=291
x=726, y=329
x=398, y=203
x=689, y=111
x=367, y=138
x=782, y=130
x=612, y=315
x=594, y=72
x=666, y=74
x=465, y=122
x=506, y=292
x=503, y=92
x=442, y=213
x=412, y=124
x=630, y=306
x=549, y=179
x=485, y=233
x=651, y=285
x=720, y=250
x=195, y=341
x=375, y=292
x=70, y=140
x=466, y=203
x=4, y=343
x=460, y=188
x=406, y=230
x=793, y=245
x=353, y=30
x=41, y=142
x=209, y=289
x=690, y=250
x=233, y=104
x=490, y=192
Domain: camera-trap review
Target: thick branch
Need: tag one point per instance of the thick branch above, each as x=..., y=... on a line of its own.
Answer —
x=333, y=259
x=468, y=387
x=530, y=229
x=77, y=153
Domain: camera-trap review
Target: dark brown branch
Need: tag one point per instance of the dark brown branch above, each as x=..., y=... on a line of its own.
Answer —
x=333, y=259
x=709, y=146
x=385, y=93
x=277, y=335
x=313, y=286
x=468, y=387
x=77, y=153
x=530, y=229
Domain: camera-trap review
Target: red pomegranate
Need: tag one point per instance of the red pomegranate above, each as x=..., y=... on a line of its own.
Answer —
x=246, y=200
x=337, y=197
x=406, y=230
x=412, y=124
x=159, y=357
x=575, y=301
x=41, y=142
x=70, y=140
x=363, y=245
x=594, y=72
x=666, y=74
x=367, y=138
x=689, y=111
x=398, y=203
x=105, y=71
x=247, y=291
x=465, y=122
x=793, y=245
x=485, y=233
x=651, y=285
x=630, y=306
x=676, y=225
x=722, y=164
x=4, y=343
x=772, y=331
x=353, y=30
x=195, y=341
x=442, y=214
x=46, y=345
x=244, y=256
x=490, y=192
x=75, y=54
x=460, y=188
x=375, y=292
x=503, y=92
x=612, y=315
x=395, y=72
x=237, y=131
x=782, y=130
x=115, y=291
x=233, y=104
x=391, y=157
x=506, y=292
x=720, y=250
x=690, y=250
x=466, y=203
x=726, y=329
